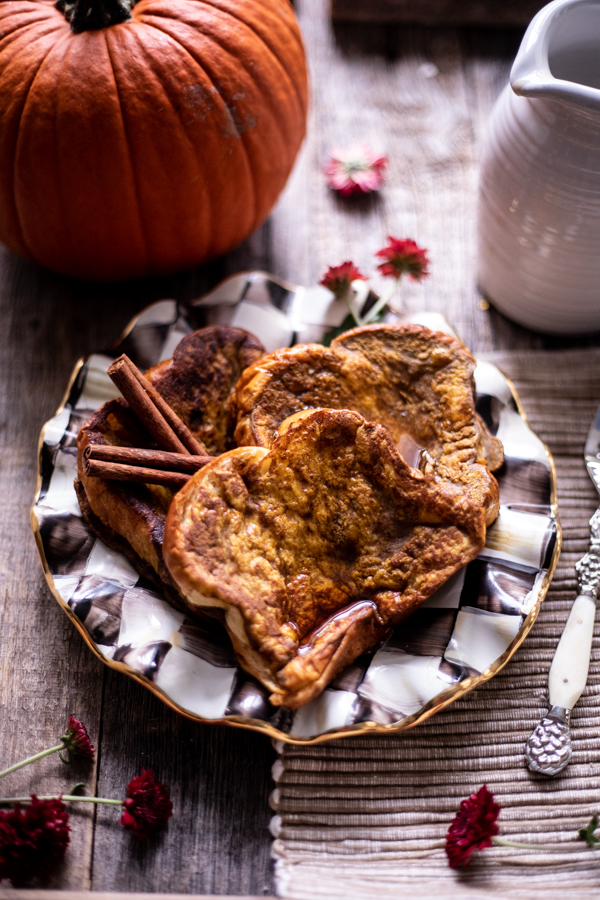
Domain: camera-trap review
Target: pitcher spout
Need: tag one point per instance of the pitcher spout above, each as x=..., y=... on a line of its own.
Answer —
x=558, y=57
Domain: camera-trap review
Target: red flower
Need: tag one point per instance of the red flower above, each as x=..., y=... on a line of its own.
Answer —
x=33, y=839
x=403, y=256
x=356, y=170
x=148, y=806
x=339, y=278
x=76, y=739
x=472, y=828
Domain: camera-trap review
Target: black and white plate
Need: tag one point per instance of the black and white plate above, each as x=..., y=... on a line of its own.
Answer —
x=461, y=636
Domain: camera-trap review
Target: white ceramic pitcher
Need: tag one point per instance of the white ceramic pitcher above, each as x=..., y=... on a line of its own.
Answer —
x=539, y=202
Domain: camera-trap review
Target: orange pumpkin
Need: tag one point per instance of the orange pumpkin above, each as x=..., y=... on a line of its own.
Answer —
x=148, y=145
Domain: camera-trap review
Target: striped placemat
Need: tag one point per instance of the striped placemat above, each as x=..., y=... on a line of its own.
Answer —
x=367, y=817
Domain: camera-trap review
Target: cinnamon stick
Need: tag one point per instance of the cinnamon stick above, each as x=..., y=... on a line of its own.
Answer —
x=160, y=420
x=121, y=373
x=153, y=459
x=180, y=428
x=98, y=468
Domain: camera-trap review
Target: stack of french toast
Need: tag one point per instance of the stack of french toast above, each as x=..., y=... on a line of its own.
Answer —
x=313, y=497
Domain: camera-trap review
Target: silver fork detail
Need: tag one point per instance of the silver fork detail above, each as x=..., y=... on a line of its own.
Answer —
x=549, y=748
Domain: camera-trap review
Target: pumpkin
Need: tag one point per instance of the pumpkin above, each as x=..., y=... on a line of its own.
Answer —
x=145, y=140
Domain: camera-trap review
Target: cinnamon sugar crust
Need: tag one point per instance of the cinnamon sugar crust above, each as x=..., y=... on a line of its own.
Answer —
x=198, y=381
x=316, y=547
x=416, y=382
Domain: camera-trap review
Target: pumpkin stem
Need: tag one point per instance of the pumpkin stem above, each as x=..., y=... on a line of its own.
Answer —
x=91, y=15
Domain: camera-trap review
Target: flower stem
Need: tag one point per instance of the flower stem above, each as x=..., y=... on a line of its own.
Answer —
x=73, y=798
x=30, y=759
x=502, y=842
x=381, y=304
x=351, y=311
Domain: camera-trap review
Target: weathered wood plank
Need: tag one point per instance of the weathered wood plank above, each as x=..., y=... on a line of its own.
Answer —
x=405, y=91
x=46, y=671
x=217, y=840
x=24, y=894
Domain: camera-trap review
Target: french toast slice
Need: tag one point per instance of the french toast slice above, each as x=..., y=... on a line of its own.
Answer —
x=416, y=382
x=316, y=547
x=197, y=382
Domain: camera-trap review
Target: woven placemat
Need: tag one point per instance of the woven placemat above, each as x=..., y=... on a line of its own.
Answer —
x=367, y=817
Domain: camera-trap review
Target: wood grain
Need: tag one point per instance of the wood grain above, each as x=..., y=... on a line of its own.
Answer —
x=410, y=93
x=421, y=95
x=24, y=894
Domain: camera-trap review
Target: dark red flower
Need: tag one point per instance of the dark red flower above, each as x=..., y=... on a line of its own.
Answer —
x=472, y=828
x=403, y=256
x=339, y=278
x=357, y=170
x=33, y=839
x=76, y=739
x=148, y=806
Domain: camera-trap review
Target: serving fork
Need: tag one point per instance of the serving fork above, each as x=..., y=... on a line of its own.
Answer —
x=549, y=749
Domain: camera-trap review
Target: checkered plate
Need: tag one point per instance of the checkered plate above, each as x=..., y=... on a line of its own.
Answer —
x=461, y=636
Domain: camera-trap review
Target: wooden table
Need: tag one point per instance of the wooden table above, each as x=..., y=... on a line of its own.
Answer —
x=421, y=95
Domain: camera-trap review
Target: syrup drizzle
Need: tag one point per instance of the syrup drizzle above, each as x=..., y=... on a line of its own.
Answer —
x=411, y=452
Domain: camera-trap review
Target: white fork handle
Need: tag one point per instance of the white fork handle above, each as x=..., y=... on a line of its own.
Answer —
x=569, y=669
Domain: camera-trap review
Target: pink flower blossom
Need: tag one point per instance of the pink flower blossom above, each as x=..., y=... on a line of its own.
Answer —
x=403, y=255
x=357, y=170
